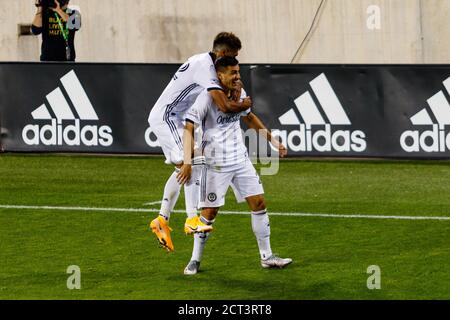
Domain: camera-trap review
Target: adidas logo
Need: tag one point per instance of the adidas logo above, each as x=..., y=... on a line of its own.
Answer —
x=65, y=127
x=434, y=140
x=308, y=137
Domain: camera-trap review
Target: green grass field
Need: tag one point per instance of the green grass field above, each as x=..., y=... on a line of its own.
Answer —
x=120, y=259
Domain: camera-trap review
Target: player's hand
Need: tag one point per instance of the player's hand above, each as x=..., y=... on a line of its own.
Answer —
x=236, y=95
x=185, y=174
x=282, y=151
x=247, y=103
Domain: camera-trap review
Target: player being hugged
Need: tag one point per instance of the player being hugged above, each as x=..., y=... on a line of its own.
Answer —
x=227, y=163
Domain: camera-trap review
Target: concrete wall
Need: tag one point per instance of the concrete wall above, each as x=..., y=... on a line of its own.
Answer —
x=411, y=31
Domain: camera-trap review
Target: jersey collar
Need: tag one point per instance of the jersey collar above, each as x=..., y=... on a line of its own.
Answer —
x=213, y=57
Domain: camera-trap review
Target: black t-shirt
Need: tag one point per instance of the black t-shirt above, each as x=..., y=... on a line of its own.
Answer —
x=53, y=44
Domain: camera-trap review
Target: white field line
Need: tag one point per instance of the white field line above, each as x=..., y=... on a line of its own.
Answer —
x=294, y=214
x=152, y=203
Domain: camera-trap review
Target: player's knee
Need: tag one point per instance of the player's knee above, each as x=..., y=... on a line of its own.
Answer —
x=259, y=204
x=210, y=213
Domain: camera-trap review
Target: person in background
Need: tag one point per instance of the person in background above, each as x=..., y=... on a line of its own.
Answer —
x=58, y=24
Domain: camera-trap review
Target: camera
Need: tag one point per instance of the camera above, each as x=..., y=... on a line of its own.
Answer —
x=50, y=3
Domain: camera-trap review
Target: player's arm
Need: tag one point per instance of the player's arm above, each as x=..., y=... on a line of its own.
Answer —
x=253, y=122
x=188, y=149
x=229, y=106
x=206, y=77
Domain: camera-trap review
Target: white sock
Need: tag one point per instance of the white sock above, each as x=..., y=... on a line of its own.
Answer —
x=199, y=244
x=200, y=241
x=192, y=191
x=170, y=197
x=206, y=221
x=261, y=229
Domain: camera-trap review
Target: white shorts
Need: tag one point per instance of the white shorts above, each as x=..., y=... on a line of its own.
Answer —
x=170, y=138
x=214, y=184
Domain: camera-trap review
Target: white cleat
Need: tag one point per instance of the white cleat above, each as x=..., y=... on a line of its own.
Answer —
x=275, y=262
x=192, y=268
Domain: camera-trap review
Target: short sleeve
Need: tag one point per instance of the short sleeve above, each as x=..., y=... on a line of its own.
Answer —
x=199, y=109
x=206, y=77
x=243, y=96
x=36, y=30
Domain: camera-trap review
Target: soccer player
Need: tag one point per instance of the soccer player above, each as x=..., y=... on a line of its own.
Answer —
x=167, y=122
x=227, y=162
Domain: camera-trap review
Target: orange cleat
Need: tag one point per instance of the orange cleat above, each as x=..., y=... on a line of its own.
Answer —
x=195, y=225
x=161, y=229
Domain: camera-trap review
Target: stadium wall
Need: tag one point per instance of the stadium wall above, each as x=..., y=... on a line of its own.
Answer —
x=390, y=111
x=169, y=31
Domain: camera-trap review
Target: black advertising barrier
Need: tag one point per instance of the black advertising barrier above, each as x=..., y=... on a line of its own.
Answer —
x=120, y=95
x=395, y=111
x=357, y=110
x=101, y=108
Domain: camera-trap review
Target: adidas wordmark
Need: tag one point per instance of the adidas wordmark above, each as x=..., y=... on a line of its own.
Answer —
x=64, y=128
x=308, y=139
x=436, y=139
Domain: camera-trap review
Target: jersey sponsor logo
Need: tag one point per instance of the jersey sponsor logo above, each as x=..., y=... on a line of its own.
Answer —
x=324, y=131
x=432, y=134
x=63, y=126
x=228, y=119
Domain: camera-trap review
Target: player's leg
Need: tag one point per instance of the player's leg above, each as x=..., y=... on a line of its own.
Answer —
x=261, y=229
x=212, y=189
x=260, y=224
x=192, y=188
x=237, y=195
x=173, y=153
x=207, y=217
x=170, y=195
x=172, y=187
x=249, y=185
x=214, y=186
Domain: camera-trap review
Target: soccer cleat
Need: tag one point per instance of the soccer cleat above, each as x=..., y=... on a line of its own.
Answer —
x=195, y=225
x=192, y=268
x=275, y=262
x=162, y=230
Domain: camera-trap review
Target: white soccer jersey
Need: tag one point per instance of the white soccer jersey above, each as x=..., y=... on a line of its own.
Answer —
x=197, y=74
x=222, y=141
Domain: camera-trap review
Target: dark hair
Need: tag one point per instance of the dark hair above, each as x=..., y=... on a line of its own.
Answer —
x=51, y=3
x=225, y=62
x=227, y=40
